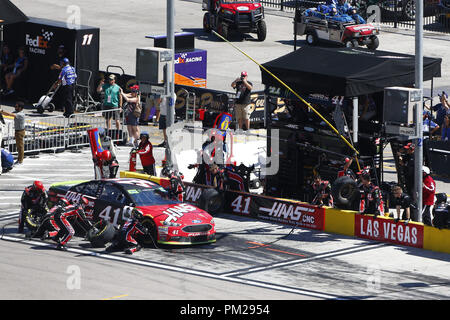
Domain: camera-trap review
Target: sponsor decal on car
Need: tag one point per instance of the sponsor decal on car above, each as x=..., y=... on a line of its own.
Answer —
x=193, y=194
x=176, y=212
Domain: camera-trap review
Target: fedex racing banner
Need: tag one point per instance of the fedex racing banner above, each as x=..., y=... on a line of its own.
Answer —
x=387, y=230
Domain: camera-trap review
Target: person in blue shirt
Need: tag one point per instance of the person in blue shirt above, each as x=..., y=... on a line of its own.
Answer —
x=343, y=7
x=446, y=128
x=442, y=108
x=18, y=68
x=66, y=79
x=7, y=161
x=428, y=125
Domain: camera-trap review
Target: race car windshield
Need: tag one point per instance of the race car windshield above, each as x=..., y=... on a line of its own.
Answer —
x=143, y=196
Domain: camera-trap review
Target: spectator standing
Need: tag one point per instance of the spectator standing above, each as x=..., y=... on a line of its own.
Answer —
x=113, y=100
x=400, y=201
x=446, y=128
x=428, y=125
x=66, y=79
x=19, y=127
x=442, y=108
x=242, y=103
x=55, y=71
x=132, y=113
x=428, y=193
x=6, y=60
x=18, y=68
x=163, y=106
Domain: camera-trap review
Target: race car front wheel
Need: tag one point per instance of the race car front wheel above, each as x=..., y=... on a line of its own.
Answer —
x=151, y=238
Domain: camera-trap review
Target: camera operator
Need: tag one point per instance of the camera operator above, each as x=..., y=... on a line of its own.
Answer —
x=242, y=104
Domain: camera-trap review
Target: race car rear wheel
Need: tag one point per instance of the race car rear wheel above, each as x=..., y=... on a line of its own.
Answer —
x=311, y=38
x=151, y=238
x=262, y=30
x=374, y=43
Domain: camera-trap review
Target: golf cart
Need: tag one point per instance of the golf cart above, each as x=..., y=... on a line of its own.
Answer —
x=244, y=16
x=341, y=29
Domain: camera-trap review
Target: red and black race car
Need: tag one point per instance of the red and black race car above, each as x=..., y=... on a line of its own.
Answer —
x=169, y=221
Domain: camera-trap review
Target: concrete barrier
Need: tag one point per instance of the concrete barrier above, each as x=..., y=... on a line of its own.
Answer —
x=331, y=220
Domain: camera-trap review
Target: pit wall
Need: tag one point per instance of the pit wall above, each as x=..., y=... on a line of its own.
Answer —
x=331, y=220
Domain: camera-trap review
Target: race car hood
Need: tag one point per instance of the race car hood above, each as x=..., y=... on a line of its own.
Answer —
x=182, y=213
x=241, y=7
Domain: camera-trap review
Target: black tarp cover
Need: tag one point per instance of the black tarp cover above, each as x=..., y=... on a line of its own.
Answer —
x=9, y=13
x=344, y=71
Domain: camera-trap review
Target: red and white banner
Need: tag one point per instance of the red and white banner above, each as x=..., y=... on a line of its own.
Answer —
x=387, y=230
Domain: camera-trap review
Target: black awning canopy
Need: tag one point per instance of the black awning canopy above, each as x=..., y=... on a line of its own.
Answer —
x=345, y=71
x=9, y=13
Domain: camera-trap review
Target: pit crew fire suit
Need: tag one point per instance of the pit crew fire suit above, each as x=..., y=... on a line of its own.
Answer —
x=321, y=193
x=63, y=230
x=371, y=200
x=34, y=197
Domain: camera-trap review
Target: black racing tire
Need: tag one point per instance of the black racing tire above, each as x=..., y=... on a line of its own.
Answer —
x=32, y=220
x=262, y=30
x=211, y=201
x=101, y=233
x=374, y=43
x=206, y=24
x=150, y=239
x=344, y=190
x=311, y=38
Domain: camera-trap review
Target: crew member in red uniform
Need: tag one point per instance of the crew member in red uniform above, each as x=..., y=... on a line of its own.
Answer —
x=428, y=193
x=61, y=213
x=35, y=198
x=145, y=151
x=346, y=171
x=321, y=191
x=371, y=199
x=132, y=229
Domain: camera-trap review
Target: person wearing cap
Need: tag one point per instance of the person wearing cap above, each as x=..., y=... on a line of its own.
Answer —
x=242, y=104
x=406, y=161
x=113, y=100
x=442, y=108
x=133, y=100
x=55, y=70
x=66, y=80
x=428, y=125
x=428, y=195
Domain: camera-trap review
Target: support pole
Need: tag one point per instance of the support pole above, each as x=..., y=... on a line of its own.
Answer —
x=170, y=86
x=418, y=154
x=355, y=120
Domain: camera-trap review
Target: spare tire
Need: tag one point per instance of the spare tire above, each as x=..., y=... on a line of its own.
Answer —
x=211, y=201
x=344, y=191
x=101, y=233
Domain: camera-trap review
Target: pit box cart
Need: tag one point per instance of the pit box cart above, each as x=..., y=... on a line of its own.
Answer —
x=244, y=16
x=340, y=29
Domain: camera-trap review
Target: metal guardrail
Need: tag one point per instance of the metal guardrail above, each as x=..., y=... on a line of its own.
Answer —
x=59, y=133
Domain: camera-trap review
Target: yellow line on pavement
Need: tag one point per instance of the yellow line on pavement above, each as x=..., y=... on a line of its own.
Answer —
x=116, y=297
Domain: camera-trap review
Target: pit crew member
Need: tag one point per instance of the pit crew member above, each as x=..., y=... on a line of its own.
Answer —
x=321, y=192
x=371, y=199
x=34, y=197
